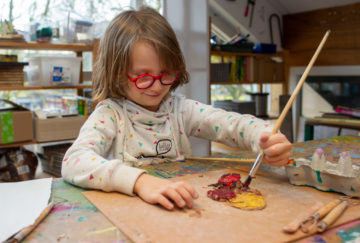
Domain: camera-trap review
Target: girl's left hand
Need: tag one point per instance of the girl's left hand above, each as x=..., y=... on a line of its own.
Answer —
x=276, y=148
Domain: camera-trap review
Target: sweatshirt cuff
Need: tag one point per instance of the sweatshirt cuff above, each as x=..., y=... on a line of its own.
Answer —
x=124, y=177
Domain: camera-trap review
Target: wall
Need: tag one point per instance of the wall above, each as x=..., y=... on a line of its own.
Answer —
x=189, y=19
x=340, y=55
x=304, y=31
x=299, y=122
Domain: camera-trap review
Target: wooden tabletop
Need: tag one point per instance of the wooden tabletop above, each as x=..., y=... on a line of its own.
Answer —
x=334, y=122
x=75, y=219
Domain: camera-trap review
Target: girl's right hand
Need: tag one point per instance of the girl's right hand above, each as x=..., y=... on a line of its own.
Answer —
x=164, y=192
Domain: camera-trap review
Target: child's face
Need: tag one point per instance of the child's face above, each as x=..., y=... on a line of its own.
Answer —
x=145, y=60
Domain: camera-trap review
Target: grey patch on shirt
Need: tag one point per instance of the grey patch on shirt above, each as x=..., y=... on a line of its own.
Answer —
x=163, y=146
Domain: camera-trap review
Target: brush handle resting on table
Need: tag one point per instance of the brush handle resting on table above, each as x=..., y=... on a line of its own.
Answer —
x=294, y=225
x=309, y=225
x=240, y=160
x=25, y=231
x=332, y=216
x=325, y=210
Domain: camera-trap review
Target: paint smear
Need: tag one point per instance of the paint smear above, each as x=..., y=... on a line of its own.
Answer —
x=318, y=176
x=103, y=231
x=349, y=235
x=82, y=219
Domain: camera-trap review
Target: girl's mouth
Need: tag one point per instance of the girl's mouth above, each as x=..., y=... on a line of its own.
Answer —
x=153, y=95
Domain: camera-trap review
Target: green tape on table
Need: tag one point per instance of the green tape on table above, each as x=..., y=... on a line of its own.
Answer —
x=7, y=127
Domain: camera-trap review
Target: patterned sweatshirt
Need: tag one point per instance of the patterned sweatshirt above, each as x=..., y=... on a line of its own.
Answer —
x=121, y=135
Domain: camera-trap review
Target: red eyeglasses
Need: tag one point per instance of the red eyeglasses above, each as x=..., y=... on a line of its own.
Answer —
x=145, y=81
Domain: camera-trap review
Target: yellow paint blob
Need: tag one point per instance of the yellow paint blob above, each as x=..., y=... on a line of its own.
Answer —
x=248, y=201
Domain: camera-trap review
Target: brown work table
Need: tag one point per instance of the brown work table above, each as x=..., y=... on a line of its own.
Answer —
x=75, y=219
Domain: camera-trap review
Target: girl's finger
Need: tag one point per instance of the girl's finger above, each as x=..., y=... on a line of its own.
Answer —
x=186, y=196
x=277, y=149
x=264, y=137
x=172, y=194
x=163, y=201
x=274, y=139
x=190, y=189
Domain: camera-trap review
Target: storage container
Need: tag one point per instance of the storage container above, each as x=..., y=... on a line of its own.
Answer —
x=47, y=71
x=243, y=107
x=57, y=128
x=260, y=102
x=16, y=124
x=52, y=157
x=220, y=72
x=246, y=47
x=264, y=48
x=11, y=73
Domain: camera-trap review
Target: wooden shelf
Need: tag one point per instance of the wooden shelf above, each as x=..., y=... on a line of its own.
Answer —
x=45, y=46
x=19, y=144
x=78, y=48
x=13, y=145
x=243, y=82
x=260, y=68
x=44, y=87
x=248, y=54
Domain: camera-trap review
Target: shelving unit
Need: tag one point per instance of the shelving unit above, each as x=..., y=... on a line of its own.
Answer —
x=220, y=148
x=283, y=72
x=44, y=87
x=282, y=69
x=45, y=46
x=278, y=69
x=77, y=48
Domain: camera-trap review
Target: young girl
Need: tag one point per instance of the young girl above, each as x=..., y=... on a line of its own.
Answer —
x=137, y=121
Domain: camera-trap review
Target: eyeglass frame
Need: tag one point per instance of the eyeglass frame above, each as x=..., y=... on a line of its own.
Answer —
x=154, y=78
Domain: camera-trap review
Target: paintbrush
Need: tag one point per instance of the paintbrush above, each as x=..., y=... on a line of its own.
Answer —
x=25, y=231
x=283, y=114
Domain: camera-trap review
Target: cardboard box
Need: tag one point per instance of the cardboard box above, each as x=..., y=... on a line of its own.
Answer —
x=57, y=128
x=15, y=123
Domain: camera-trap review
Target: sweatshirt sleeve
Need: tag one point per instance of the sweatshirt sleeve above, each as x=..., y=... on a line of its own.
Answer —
x=231, y=128
x=85, y=164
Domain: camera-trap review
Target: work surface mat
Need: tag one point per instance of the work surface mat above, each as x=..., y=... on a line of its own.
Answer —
x=212, y=221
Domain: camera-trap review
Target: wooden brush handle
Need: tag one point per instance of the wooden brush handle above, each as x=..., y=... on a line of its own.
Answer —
x=239, y=160
x=327, y=208
x=294, y=225
x=300, y=83
x=332, y=216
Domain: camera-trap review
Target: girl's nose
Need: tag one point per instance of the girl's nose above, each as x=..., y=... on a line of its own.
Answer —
x=157, y=85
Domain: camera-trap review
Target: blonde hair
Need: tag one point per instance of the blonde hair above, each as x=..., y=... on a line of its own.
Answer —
x=113, y=62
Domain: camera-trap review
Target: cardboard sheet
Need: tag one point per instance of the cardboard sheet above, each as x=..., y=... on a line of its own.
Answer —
x=212, y=221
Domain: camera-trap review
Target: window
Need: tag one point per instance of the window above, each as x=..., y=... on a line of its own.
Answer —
x=57, y=14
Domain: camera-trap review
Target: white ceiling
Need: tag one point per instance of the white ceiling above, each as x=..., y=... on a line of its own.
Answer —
x=298, y=6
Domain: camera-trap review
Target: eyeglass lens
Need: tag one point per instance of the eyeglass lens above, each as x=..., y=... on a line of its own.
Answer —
x=166, y=79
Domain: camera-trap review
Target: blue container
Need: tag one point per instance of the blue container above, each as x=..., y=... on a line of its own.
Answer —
x=264, y=48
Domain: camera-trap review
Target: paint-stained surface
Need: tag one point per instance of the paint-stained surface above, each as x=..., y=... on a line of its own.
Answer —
x=218, y=221
x=332, y=148
x=74, y=219
x=347, y=233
